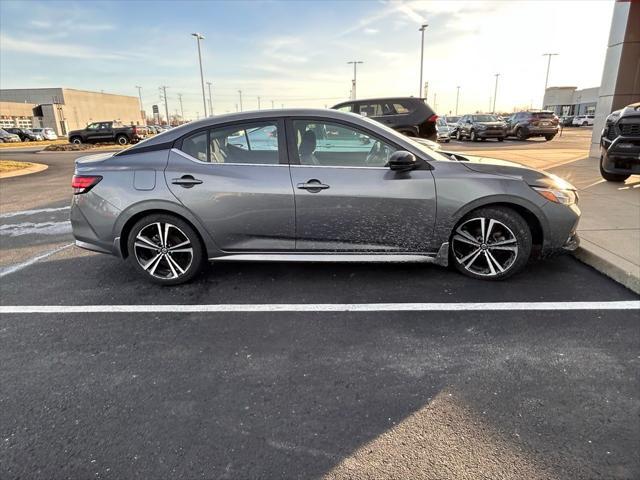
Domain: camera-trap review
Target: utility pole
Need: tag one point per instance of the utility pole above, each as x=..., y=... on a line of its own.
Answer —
x=204, y=101
x=166, y=103
x=422, y=28
x=272, y=105
x=181, y=109
x=426, y=90
x=210, y=102
x=258, y=103
x=353, y=86
x=546, y=81
x=140, y=97
x=495, y=93
x=240, y=93
x=435, y=101
x=457, y=98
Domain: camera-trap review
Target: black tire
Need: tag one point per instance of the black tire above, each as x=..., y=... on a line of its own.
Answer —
x=585, y=124
x=122, y=140
x=520, y=135
x=459, y=136
x=548, y=138
x=517, y=226
x=76, y=140
x=501, y=139
x=473, y=137
x=190, y=271
x=612, y=177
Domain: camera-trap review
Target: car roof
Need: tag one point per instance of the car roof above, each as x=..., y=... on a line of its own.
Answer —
x=173, y=134
x=381, y=99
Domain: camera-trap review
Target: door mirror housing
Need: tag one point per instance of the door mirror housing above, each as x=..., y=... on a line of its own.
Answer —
x=402, y=161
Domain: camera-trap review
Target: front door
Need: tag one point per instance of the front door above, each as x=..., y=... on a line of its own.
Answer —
x=346, y=197
x=236, y=180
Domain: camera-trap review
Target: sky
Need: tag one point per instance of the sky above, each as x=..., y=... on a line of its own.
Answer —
x=295, y=54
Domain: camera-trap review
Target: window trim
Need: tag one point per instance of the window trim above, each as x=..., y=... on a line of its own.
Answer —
x=282, y=145
x=292, y=148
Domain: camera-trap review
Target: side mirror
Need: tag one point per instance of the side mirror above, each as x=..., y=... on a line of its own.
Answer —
x=402, y=161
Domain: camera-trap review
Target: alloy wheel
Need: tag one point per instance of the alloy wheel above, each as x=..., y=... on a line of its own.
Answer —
x=163, y=250
x=484, y=246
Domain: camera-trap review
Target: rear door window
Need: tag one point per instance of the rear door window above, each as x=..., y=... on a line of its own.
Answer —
x=345, y=108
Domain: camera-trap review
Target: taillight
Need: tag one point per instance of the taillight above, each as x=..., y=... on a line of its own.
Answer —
x=135, y=130
x=84, y=183
x=432, y=118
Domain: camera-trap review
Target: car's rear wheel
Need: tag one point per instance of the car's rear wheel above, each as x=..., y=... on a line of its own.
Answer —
x=491, y=243
x=548, y=138
x=520, y=134
x=122, y=140
x=501, y=139
x=612, y=177
x=459, y=136
x=76, y=140
x=165, y=249
x=473, y=137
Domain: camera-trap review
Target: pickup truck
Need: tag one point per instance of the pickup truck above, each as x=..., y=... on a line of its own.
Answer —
x=108, y=132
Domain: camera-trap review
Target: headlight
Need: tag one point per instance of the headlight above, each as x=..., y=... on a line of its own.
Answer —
x=481, y=127
x=565, y=197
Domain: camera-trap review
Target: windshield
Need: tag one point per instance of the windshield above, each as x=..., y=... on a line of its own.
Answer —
x=484, y=118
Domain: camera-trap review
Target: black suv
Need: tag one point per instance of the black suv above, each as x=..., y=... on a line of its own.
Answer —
x=409, y=115
x=538, y=123
x=480, y=127
x=620, y=144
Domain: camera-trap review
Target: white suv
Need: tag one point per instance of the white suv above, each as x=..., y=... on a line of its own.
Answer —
x=583, y=120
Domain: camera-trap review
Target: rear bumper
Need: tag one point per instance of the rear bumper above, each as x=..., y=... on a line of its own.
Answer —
x=533, y=131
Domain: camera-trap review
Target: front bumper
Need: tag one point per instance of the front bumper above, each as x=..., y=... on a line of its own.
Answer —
x=491, y=133
x=621, y=156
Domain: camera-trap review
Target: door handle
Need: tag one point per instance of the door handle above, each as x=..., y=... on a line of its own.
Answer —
x=313, y=186
x=186, y=181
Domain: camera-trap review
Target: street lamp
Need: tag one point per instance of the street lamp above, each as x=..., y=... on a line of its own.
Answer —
x=546, y=81
x=495, y=93
x=210, y=102
x=204, y=100
x=240, y=94
x=353, y=89
x=457, y=98
x=422, y=28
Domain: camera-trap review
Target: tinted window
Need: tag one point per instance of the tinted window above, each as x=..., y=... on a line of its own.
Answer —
x=255, y=143
x=196, y=146
x=541, y=115
x=345, y=108
x=332, y=144
x=400, y=108
x=371, y=109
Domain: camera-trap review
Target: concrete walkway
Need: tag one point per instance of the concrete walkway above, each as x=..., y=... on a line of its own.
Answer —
x=610, y=224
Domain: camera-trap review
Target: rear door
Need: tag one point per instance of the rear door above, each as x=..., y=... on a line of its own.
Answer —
x=346, y=198
x=235, y=179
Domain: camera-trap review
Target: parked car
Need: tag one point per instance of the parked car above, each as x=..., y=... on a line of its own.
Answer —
x=6, y=137
x=535, y=123
x=583, y=120
x=25, y=134
x=46, y=133
x=337, y=187
x=108, y=132
x=409, y=115
x=481, y=127
x=566, y=121
x=620, y=144
x=443, y=131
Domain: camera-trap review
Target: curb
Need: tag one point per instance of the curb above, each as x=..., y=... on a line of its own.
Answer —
x=596, y=258
x=34, y=168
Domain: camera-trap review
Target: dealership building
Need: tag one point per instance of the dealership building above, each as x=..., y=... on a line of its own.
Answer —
x=565, y=101
x=65, y=109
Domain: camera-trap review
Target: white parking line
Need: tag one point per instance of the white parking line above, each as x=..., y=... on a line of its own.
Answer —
x=31, y=261
x=33, y=212
x=325, y=307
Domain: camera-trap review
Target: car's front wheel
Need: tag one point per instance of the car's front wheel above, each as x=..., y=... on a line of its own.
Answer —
x=165, y=249
x=459, y=136
x=491, y=243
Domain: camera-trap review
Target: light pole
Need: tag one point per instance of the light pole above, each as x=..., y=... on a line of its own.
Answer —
x=422, y=28
x=240, y=93
x=166, y=104
x=546, y=81
x=140, y=96
x=272, y=105
x=181, y=109
x=495, y=93
x=204, y=101
x=210, y=103
x=457, y=98
x=353, y=89
x=258, y=103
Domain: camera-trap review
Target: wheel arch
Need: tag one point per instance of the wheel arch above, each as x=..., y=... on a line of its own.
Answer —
x=528, y=211
x=129, y=217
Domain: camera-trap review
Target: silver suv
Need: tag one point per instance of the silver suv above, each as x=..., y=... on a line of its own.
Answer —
x=313, y=185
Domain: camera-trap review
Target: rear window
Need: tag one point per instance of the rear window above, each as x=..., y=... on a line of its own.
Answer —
x=400, y=108
x=541, y=114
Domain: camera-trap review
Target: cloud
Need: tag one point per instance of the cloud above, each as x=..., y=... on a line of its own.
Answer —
x=68, y=50
x=371, y=31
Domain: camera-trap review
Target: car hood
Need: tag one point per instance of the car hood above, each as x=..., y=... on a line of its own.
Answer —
x=493, y=166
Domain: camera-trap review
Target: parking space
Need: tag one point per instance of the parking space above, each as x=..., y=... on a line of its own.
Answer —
x=365, y=375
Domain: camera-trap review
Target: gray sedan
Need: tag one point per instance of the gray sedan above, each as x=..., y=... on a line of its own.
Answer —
x=313, y=185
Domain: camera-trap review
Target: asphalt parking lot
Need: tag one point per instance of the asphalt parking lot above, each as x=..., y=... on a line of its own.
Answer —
x=491, y=387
